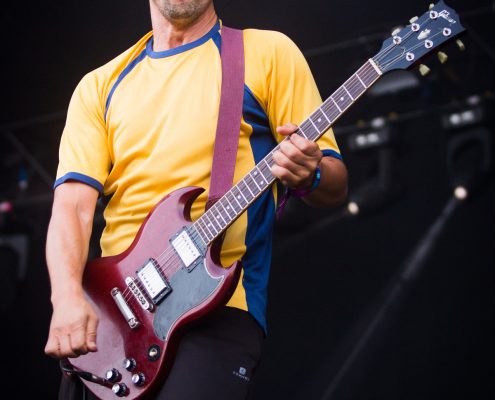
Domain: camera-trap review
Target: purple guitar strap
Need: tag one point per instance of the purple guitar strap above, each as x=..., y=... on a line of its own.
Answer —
x=229, y=117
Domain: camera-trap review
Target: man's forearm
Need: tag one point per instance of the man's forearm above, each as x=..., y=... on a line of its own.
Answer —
x=332, y=189
x=66, y=252
x=68, y=238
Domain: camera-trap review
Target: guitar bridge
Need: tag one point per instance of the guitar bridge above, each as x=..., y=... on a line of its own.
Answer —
x=138, y=294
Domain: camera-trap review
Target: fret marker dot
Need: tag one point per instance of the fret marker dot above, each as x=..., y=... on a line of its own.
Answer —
x=342, y=98
x=238, y=197
x=228, y=207
x=319, y=120
x=261, y=182
x=218, y=216
x=255, y=173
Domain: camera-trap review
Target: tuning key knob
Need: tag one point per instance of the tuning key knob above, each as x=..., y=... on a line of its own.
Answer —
x=460, y=45
x=424, y=70
x=442, y=57
x=396, y=31
x=431, y=6
x=413, y=19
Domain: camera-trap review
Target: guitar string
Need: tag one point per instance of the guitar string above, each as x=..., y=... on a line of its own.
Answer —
x=366, y=72
x=163, y=260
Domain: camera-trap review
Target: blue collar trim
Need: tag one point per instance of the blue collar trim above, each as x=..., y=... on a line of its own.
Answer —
x=182, y=48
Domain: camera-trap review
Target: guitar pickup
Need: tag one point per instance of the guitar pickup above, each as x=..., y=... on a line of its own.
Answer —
x=153, y=281
x=187, y=249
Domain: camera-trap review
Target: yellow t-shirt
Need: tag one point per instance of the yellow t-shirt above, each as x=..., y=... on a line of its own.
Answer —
x=144, y=125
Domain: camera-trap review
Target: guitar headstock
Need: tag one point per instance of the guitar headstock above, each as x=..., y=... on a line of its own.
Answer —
x=427, y=34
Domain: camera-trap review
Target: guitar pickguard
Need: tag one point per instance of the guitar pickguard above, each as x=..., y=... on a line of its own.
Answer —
x=189, y=289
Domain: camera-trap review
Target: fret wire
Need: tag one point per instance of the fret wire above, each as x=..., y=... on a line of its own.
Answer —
x=356, y=86
x=202, y=229
x=256, y=173
x=234, y=196
x=300, y=130
x=317, y=130
x=194, y=233
x=266, y=163
x=261, y=173
x=335, y=104
x=240, y=195
x=246, y=184
x=325, y=115
x=209, y=224
x=213, y=221
x=306, y=124
x=311, y=128
x=318, y=115
x=230, y=207
x=352, y=98
x=267, y=169
x=333, y=111
x=342, y=98
x=360, y=80
x=342, y=95
x=205, y=227
x=255, y=187
x=217, y=205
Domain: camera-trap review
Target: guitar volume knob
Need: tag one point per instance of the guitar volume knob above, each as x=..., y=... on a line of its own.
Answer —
x=113, y=375
x=120, y=389
x=138, y=379
x=129, y=363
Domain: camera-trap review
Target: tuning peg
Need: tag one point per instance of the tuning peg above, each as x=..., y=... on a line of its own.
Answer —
x=460, y=45
x=431, y=6
x=442, y=57
x=413, y=19
x=424, y=70
x=396, y=31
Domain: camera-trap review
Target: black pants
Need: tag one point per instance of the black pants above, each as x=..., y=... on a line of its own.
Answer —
x=216, y=360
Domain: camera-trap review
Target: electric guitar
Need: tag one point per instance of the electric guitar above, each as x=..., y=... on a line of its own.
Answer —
x=171, y=274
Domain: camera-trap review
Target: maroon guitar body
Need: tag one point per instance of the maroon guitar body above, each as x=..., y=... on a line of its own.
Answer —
x=151, y=343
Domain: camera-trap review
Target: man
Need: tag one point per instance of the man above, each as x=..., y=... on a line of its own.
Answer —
x=144, y=125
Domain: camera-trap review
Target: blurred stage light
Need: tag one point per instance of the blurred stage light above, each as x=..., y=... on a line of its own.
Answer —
x=461, y=193
x=469, y=146
x=353, y=208
x=472, y=113
x=377, y=135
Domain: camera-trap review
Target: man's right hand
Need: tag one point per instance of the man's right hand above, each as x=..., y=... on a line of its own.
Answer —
x=72, y=328
x=74, y=321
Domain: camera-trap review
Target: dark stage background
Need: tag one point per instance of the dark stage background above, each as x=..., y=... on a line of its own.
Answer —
x=345, y=319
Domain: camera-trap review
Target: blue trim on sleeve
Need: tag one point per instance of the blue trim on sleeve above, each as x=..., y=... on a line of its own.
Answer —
x=331, y=153
x=122, y=75
x=182, y=48
x=76, y=176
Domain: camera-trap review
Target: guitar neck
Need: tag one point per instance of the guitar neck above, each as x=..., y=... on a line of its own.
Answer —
x=231, y=205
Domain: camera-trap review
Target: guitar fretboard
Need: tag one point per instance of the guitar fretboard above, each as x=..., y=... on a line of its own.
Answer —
x=231, y=205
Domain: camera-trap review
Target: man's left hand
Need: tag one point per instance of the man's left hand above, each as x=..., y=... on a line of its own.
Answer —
x=296, y=160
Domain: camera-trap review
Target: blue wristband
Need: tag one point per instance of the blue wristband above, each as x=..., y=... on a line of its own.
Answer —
x=314, y=185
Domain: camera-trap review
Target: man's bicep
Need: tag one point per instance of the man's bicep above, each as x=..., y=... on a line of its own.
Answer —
x=77, y=197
